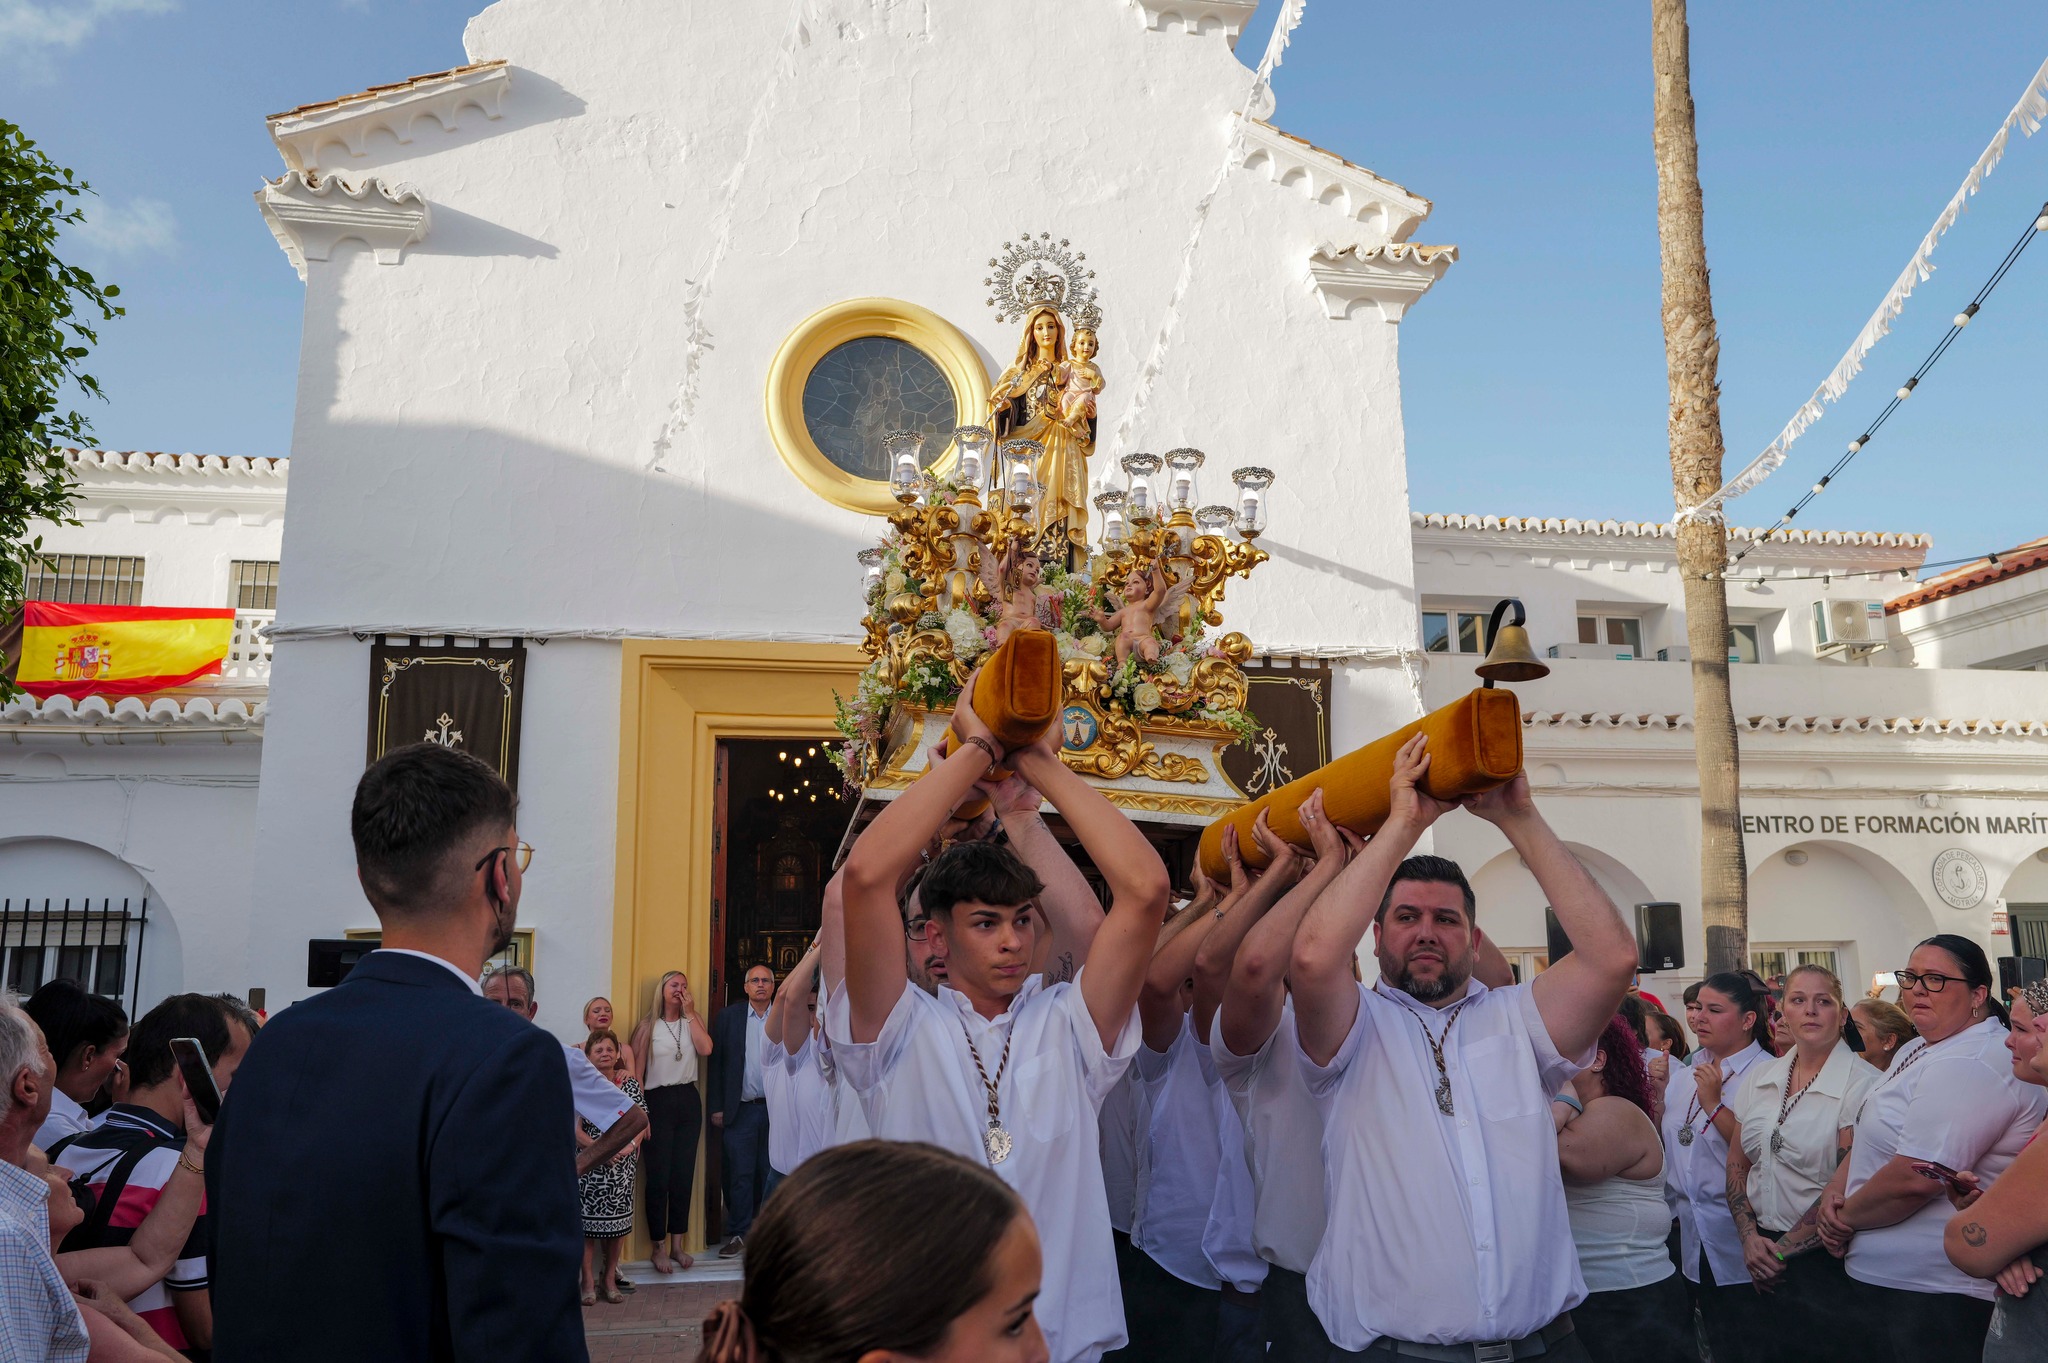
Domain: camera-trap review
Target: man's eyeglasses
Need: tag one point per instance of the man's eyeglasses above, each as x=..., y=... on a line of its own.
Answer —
x=523, y=850
x=917, y=929
x=1933, y=982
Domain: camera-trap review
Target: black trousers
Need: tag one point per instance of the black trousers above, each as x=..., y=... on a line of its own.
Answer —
x=747, y=1173
x=1570, y=1349
x=1650, y=1324
x=1817, y=1310
x=1169, y=1321
x=1932, y=1327
x=1733, y=1317
x=1293, y=1334
x=675, y=1118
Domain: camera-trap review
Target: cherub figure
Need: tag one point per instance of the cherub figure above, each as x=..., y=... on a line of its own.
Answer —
x=1014, y=582
x=1081, y=379
x=1144, y=592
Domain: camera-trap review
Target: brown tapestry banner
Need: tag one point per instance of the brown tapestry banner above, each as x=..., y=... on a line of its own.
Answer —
x=460, y=696
x=1292, y=707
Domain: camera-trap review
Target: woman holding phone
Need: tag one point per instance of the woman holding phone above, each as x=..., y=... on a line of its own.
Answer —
x=667, y=1044
x=1797, y=1114
x=1950, y=1103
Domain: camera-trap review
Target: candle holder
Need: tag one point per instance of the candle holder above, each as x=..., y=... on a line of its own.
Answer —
x=1252, y=482
x=906, y=465
x=1141, y=495
x=1181, y=468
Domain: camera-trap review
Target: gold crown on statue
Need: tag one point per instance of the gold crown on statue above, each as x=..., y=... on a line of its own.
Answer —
x=1037, y=272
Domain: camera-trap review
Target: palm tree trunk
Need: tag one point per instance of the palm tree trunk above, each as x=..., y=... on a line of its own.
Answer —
x=1692, y=354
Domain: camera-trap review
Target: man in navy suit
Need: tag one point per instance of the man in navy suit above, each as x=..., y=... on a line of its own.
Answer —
x=393, y=1176
x=738, y=1105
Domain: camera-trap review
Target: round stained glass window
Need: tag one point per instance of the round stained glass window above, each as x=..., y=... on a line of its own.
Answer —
x=862, y=389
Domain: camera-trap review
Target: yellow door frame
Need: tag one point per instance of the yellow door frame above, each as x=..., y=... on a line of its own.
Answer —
x=678, y=699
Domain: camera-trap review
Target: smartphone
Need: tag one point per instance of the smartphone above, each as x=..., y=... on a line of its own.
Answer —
x=198, y=1077
x=1852, y=1035
x=1941, y=1174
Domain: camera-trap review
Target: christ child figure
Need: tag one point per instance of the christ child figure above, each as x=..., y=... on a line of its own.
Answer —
x=1080, y=379
x=1144, y=591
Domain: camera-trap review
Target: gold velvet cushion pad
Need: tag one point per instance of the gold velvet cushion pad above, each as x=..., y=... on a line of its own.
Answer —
x=1018, y=695
x=1475, y=744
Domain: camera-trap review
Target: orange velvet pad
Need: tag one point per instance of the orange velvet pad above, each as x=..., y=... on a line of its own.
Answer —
x=1475, y=744
x=1018, y=695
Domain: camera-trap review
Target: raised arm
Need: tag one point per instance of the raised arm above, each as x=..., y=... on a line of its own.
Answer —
x=1257, y=989
x=1325, y=995
x=1577, y=995
x=128, y=1270
x=832, y=931
x=789, y=1000
x=1072, y=912
x=1253, y=901
x=1160, y=1006
x=1138, y=886
x=887, y=852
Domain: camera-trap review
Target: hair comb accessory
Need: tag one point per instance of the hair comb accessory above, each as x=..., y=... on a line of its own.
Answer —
x=729, y=1335
x=2036, y=995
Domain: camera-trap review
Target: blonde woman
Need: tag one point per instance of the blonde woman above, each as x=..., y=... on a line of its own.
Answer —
x=1797, y=1115
x=597, y=1017
x=667, y=1045
x=1885, y=1028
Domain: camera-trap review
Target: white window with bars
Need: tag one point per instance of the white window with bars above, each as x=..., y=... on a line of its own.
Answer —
x=253, y=585
x=84, y=580
x=1775, y=962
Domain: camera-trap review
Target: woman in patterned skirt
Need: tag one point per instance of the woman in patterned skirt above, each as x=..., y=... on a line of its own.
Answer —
x=608, y=1189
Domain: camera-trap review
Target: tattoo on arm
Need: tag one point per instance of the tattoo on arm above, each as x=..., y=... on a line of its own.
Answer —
x=1738, y=1202
x=1975, y=1235
x=1062, y=969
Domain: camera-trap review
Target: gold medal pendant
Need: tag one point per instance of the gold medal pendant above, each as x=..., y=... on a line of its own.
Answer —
x=997, y=1142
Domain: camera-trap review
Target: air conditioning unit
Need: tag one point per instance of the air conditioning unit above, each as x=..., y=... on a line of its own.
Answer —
x=1603, y=652
x=1853, y=627
x=1676, y=653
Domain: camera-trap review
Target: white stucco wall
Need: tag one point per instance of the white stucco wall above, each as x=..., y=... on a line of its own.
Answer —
x=490, y=435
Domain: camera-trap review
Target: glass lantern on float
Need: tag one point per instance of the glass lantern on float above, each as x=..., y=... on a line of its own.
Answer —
x=1019, y=473
x=1252, y=483
x=1214, y=519
x=1141, y=496
x=871, y=570
x=906, y=464
x=1181, y=467
x=1116, y=530
x=972, y=444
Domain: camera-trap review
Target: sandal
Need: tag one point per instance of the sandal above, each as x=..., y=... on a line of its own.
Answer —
x=589, y=1297
x=613, y=1295
x=624, y=1284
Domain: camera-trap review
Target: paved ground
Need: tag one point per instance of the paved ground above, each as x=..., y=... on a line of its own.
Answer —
x=661, y=1320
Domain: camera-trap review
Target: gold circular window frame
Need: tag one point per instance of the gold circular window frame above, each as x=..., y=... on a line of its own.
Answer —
x=920, y=328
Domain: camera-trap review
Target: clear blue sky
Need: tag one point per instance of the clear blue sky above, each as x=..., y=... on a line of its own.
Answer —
x=1533, y=375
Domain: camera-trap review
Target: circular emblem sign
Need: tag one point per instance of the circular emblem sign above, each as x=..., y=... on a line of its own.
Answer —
x=1959, y=879
x=1078, y=727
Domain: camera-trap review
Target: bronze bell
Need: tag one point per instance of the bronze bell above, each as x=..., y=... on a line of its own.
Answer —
x=1509, y=657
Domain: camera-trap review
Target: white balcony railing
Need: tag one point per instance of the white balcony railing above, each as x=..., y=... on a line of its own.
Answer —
x=249, y=652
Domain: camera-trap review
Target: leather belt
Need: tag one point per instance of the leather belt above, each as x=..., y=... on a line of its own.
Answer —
x=1490, y=1351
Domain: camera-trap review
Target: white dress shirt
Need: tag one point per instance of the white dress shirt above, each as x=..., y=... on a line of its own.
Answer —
x=1785, y=1182
x=1443, y=1229
x=1696, y=1175
x=1179, y=1151
x=1227, y=1238
x=1283, y=1138
x=917, y=1082
x=1119, y=1121
x=811, y=1096
x=598, y=1100
x=1955, y=1103
x=777, y=1088
x=457, y=971
x=66, y=1119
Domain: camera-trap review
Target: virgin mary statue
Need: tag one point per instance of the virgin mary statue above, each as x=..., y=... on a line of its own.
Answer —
x=1026, y=405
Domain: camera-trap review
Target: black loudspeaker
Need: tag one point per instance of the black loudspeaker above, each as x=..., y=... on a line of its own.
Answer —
x=329, y=959
x=2017, y=972
x=1560, y=945
x=1660, y=938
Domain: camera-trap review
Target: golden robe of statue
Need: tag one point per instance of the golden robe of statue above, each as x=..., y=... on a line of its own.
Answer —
x=1026, y=405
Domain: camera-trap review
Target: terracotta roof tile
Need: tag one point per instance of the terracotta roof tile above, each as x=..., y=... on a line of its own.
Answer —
x=376, y=90
x=1982, y=573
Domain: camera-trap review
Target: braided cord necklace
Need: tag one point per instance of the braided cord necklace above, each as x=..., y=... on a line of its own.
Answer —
x=995, y=1140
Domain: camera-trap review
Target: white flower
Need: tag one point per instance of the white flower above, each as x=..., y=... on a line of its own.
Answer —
x=1146, y=696
x=1179, y=666
x=895, y=580
x=1095, y=644
x=965, y=632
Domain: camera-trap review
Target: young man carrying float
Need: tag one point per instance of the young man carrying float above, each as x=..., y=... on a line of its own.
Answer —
x=1447, y=1225
x=998, y=1066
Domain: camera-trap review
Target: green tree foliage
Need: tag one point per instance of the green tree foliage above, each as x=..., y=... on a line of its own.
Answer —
x=47, y=313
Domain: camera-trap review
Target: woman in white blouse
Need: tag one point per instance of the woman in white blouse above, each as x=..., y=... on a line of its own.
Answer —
x=1948, y=1102
x=1797, y=1114
x=667, y=1044
x=1726, y=1013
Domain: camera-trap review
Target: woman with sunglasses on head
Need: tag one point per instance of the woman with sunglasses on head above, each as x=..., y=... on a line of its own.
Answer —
x=1884, y=1028
x=668, y=1043
x=1726, y=1014
x=1797, y=1114
x=2002, y=1235
x=1948, y=1104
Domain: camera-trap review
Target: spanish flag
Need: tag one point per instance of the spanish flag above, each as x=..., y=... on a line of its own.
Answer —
x=81, y=651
